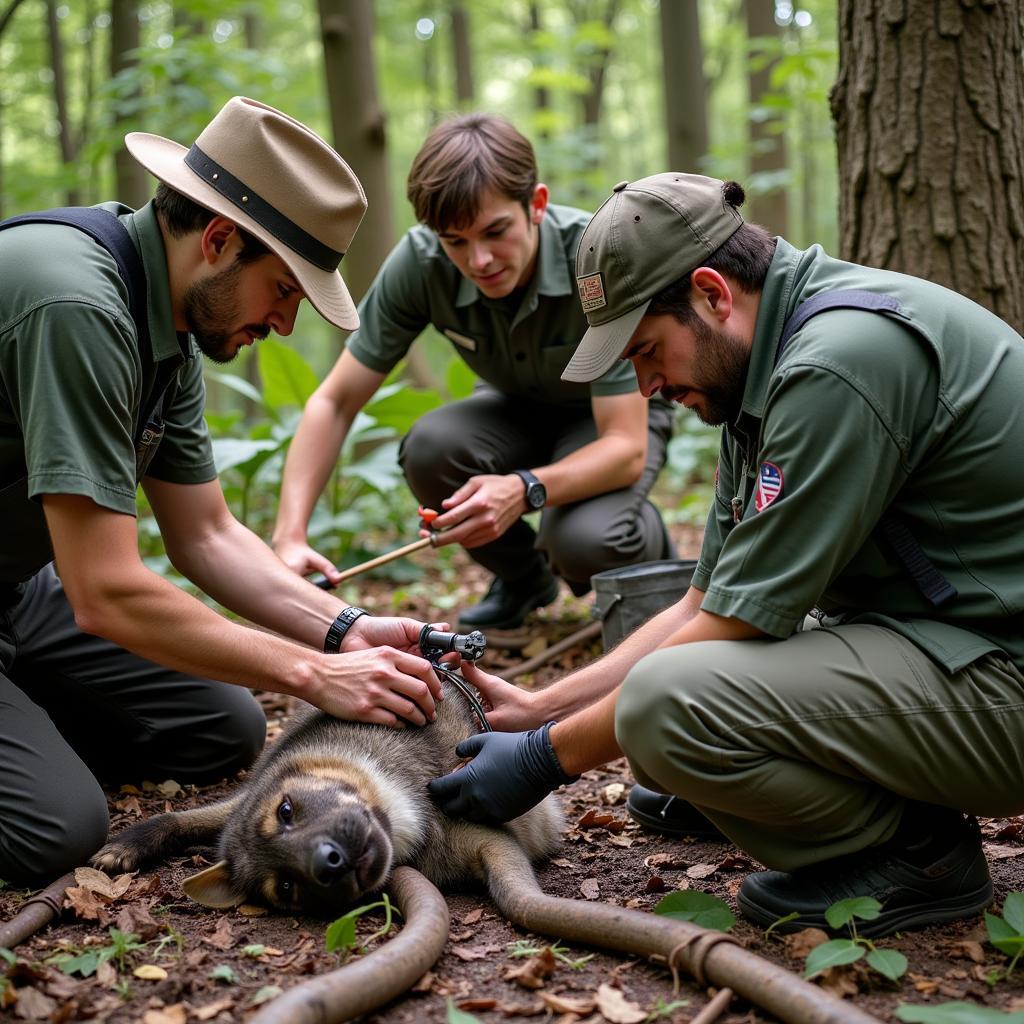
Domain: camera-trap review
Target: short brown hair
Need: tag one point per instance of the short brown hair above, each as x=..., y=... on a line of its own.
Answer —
x=182, y=216
x=744, y=257
x=461, y=159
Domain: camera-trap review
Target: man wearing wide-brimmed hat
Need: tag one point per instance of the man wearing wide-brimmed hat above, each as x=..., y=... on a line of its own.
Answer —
x=110, y=670
x=870, y=471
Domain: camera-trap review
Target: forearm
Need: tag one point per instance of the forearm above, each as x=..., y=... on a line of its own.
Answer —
x=240, y=572
x=589, y=685
x=312, y=456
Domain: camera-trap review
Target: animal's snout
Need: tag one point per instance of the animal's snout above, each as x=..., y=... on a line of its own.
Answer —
x=329, y=862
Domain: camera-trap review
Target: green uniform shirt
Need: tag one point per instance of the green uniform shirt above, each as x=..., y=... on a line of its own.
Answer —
x=521, y=349
x=864, y=415
x=72, y=380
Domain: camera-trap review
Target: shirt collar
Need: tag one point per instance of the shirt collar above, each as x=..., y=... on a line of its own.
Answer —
x=145, y=231
x=550, y=276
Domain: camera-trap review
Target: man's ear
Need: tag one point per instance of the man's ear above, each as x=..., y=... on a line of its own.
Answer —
x=213, y=888
x=709, y=288
x=538, y=202
x=218, y=240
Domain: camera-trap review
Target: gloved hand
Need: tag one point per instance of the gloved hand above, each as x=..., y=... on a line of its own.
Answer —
x=510, y=773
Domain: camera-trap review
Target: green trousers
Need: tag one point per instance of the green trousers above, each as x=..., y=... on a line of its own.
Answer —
x=808, y=748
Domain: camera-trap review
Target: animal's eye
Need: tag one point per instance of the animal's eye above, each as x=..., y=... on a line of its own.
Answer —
x=285, y=890
x=285, y=812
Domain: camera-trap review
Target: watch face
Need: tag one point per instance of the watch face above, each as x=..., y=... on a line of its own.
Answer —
x=536, y=495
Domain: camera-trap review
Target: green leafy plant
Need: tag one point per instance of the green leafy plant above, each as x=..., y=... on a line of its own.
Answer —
x=86, y=962
x=887, y=962
x=956, y=1013
x=1006, y=933
x=524, y=947
x=224, y=973
x=341, y=934
x=663, y=1009
x=780, y=922
x=699, y=907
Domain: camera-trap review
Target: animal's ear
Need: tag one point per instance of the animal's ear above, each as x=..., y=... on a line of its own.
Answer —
x=213, y=888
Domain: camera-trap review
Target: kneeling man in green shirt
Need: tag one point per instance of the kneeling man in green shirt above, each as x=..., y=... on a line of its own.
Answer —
x=842, y=688
x=491, y=266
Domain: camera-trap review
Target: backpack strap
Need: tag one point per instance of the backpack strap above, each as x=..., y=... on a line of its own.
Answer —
x=105, y=229
x=928, y=580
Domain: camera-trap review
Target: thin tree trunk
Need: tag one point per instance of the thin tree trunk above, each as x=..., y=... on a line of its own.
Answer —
x=65, y=137
x=686, y=94
x=929, y=114
x=541, y=95
x=132, y=184
x=462, y=50
x=769, y=200
x=598, y=70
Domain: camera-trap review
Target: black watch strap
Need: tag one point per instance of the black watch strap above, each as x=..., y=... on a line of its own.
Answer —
x=340, y=626
x=536, y=492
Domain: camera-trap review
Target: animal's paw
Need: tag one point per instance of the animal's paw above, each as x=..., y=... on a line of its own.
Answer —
x=117, y=857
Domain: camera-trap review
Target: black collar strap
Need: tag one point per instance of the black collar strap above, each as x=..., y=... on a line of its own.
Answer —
x=241, y=196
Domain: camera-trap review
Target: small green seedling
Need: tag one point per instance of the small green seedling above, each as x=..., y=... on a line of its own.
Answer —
x=523, y=947
x=956, y=1013
x=780, y=922
x=1006, y=933
x=85, y=963
x=663, y=1009
x=341, y=934
x=265, y=994
x=887, y=962
x=223, y=972
x=699, y=907
x=457, y=1016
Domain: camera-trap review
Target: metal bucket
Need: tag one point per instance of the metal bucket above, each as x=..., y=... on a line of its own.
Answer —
x=627, y=597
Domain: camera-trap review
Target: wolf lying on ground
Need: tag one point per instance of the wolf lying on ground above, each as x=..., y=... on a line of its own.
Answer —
x=327, y=812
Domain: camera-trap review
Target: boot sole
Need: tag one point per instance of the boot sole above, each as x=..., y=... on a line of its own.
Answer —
x=914, y=916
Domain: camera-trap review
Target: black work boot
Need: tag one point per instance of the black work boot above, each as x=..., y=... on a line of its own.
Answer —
x=507, y=604
x=669, y=815
x=922, y=879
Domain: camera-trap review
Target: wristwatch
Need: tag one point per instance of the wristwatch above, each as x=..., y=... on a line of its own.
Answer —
x=536, y=492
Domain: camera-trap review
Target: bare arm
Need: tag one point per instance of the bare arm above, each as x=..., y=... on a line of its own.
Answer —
x=487, y=505
x=115, y=596
x=314, y=450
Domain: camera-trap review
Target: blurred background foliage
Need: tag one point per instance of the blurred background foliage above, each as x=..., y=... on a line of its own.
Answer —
x=606, y=89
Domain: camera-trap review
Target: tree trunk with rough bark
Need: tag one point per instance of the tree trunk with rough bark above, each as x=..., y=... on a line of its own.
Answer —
x=929, y=114
x=686, y=93
x=132, y=183
x=462, y=53
x=769, y=200
x=66, y=136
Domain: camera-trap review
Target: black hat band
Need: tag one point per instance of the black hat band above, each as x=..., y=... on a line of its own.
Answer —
x=267, y=216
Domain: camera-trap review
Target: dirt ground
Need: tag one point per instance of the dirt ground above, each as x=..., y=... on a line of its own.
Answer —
x=187, y=963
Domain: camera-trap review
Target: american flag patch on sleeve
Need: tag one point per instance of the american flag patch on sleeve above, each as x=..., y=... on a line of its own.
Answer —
x=769, y=485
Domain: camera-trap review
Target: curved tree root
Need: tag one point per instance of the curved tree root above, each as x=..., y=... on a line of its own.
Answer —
x=36, y=912
x=709, y=956
x=379, y=976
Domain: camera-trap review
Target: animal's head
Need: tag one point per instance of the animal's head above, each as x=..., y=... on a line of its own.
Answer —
x=314, y=842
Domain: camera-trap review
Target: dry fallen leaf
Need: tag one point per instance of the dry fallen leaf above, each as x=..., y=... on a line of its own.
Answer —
x=87, y=905
x=839, y=981
x=150, y=972
x=996, y=851
x=563, y=1004
x=665, y=862
x=613, y=793
x=170, y=789
x=531, y=973
x=968, y=950
x=470, y=1005
x=251, y=910
x=701, y=870
x=624, y=841
x=590, y=888
x=800, y=943
x=616, y=1009
x=176, y=1014
x=470, y=953
x=211, y=1010
x=223, y=937
x=100, y=882
x=33, y=1005
x=106, y=975
x=601, y=819
x=473, y=916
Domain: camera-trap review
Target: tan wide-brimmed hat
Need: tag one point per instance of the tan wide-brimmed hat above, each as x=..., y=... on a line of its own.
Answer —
x=277, y=180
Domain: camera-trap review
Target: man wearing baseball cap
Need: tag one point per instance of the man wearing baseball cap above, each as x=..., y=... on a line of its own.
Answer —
x=110, y=670
x=870, y=476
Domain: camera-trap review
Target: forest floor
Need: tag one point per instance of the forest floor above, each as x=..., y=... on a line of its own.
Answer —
x=185, y=963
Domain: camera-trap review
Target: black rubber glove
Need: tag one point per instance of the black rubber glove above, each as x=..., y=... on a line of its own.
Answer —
x=510, y=773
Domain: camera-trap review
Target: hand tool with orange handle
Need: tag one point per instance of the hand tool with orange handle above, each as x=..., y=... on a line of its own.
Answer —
x=427, y=517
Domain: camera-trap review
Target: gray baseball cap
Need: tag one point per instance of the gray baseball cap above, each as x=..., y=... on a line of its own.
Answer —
x=646, y=235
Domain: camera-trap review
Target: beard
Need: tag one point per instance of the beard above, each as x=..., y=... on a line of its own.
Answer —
x=211, y=306
x=720, y=374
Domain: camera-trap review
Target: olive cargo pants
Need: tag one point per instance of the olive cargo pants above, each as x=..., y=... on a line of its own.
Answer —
x=806, y=749
x=74, y=707
x=491, y=432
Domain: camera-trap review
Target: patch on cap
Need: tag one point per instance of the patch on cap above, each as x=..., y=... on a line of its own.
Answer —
x=591, y=292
